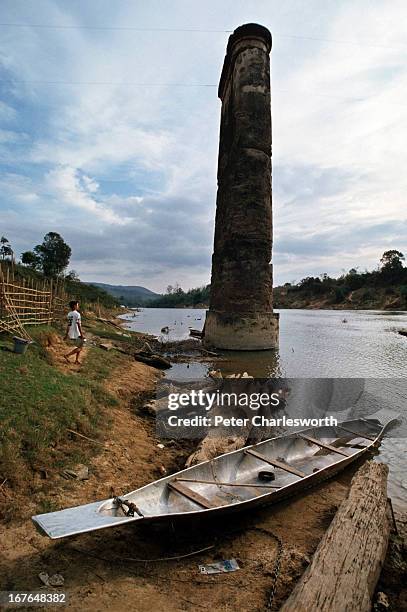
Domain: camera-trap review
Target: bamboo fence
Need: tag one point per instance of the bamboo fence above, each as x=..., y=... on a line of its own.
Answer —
x=28, y=301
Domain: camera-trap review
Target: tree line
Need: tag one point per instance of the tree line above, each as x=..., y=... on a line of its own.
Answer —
x=51, y=258
x=390, y=273
x=175, y=297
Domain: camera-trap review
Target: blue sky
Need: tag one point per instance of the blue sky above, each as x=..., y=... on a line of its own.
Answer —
x=100, y=140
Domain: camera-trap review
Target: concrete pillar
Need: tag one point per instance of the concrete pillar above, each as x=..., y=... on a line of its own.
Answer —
x=240, y=315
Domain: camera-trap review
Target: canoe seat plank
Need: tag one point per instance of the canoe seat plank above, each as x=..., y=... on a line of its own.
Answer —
x=344, y=441
x=279, y=464
x=357, y=434
x=229, y=484
x=191, y=495
x=323, y=445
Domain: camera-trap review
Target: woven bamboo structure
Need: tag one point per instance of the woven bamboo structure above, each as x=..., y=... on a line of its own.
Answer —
x=28, y=301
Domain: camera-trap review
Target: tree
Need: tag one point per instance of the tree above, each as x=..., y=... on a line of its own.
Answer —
x=5, y=249
x=353, y=279
x=393, y=259
x=392, y=265
x=54, y=254
x=31, y=260
x=176, y=289
x=72, y=276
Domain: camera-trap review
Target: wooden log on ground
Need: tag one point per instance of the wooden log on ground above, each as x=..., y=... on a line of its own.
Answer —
x=347, y=563
x=156, y=361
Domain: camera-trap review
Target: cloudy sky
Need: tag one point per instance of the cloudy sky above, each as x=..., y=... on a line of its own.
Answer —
x=109, y=132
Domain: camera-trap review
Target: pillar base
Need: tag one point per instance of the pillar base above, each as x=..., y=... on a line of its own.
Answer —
x=241, y=332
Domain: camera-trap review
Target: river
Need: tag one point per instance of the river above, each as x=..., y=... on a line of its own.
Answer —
x=313, y=344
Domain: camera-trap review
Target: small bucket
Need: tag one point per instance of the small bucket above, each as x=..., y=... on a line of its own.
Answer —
x=20, y=345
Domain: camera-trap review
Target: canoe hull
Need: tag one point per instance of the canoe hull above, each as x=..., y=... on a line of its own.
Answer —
x=160, y=504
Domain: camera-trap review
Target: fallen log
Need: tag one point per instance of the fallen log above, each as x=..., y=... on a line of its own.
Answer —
x=106, y=346
x=347, y=563
x=151, y=359
x=109, y=322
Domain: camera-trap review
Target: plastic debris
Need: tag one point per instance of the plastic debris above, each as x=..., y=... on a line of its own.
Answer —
x=54, y=580
x=81, y=473
x=220, y=567
x=382, y=602
x=215, y=374
x=244, y=375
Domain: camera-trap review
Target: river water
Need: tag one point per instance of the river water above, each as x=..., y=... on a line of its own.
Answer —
x=313, y=344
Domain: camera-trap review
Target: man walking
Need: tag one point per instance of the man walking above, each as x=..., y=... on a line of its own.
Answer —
x=74, y=331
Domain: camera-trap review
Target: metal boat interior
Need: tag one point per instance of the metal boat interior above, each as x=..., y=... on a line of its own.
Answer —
x=230, y=482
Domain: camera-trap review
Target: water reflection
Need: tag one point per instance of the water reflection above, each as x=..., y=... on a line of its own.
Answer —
x=260, y=364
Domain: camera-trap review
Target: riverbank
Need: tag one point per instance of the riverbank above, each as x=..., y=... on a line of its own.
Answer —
x=121, y=452
x=362, y=299
x=365, y=298
x=56, y=415
x=294, y=297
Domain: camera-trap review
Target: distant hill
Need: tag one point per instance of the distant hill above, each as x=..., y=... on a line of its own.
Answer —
x=129, y=295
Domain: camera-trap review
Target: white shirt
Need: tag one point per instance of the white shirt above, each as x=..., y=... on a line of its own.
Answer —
x=73, y=319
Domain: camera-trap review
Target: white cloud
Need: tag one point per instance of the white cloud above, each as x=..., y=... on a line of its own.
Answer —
x=72, y=191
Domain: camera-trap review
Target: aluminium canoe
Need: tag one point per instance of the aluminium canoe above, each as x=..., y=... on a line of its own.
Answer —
x=233, y=481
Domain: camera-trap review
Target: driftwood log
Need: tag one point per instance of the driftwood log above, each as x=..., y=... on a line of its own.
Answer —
x=347, y=563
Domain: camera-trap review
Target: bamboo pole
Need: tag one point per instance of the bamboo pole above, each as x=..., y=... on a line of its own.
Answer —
x=50, y=302
x=15, y=322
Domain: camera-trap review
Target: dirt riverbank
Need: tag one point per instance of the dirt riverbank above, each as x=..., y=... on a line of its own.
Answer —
x=120, y=568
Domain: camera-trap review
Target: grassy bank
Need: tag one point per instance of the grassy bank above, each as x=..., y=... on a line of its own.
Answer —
x=39, y=403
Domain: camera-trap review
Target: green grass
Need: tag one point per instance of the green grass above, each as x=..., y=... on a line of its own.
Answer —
x=98, y=366
x=111, y=334
x=38, y=403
